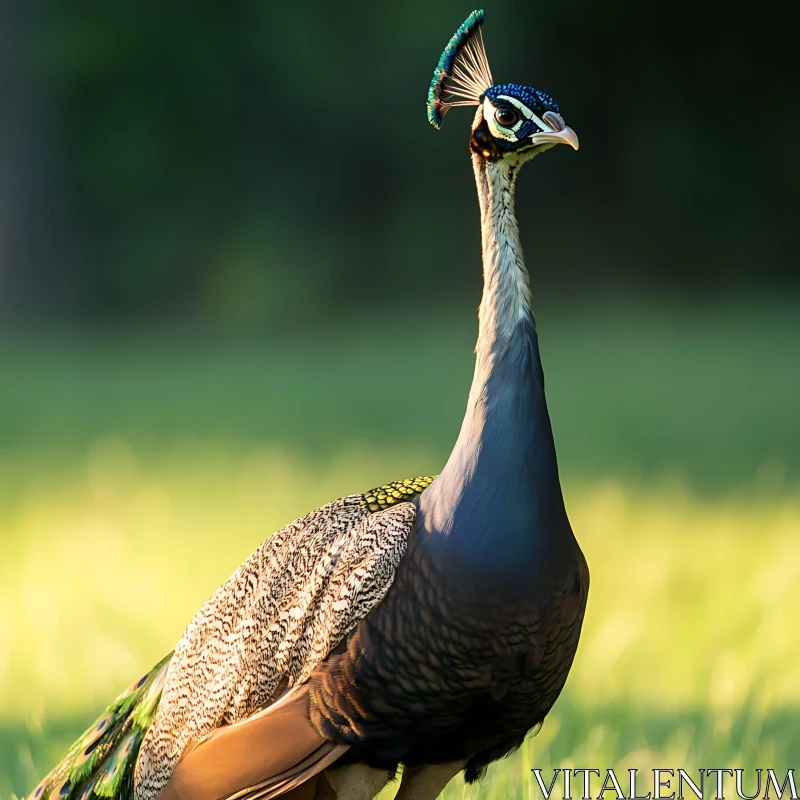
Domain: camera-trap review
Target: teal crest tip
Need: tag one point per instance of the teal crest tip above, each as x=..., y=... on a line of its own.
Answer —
x=461, y=75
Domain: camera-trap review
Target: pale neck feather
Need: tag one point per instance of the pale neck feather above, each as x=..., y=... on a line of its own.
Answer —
x=506, y=300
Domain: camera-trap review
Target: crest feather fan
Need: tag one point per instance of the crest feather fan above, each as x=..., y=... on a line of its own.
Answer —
x=462, y=74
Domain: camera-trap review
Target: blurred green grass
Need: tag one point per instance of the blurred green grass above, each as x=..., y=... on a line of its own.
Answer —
x=138, y=469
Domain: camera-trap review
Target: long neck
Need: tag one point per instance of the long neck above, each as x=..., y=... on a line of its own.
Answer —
x=498, y=498
x=505, y=310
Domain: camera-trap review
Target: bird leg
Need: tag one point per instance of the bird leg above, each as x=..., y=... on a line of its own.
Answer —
x=356, y=781
x=428, y=782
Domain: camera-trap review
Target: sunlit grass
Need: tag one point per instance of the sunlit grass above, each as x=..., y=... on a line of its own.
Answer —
x=137, y=471
x=688, y=655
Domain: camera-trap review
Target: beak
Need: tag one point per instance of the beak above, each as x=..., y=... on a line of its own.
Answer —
x=559, y=133
x=565, y=136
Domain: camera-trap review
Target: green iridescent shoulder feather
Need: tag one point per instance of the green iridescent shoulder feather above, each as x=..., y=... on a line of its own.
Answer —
x=101, y=762
x=397, y=492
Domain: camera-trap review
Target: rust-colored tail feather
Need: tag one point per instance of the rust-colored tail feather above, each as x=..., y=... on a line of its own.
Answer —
x=264, y=756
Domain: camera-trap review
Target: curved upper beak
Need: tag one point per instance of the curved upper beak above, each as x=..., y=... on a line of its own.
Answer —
x=565, y=136
x=559, y=133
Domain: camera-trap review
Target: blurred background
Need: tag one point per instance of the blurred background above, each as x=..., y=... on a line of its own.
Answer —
x=232, y=251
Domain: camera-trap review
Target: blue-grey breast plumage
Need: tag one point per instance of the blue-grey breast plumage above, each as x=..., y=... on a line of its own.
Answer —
x=428, y=623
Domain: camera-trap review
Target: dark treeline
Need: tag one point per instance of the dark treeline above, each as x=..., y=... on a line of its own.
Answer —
x=245, y=160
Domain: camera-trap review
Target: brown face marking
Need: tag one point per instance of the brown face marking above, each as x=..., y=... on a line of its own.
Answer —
x=484, y=144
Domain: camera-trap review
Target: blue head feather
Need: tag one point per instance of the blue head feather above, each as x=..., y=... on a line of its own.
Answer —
x=536, y=101
x=443, y=69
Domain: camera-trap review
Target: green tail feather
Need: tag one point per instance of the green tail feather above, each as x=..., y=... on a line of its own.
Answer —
x=101, y=763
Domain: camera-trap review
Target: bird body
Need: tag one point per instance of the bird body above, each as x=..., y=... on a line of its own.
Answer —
x=462, y=674
x=498, y=581
x=428, y=623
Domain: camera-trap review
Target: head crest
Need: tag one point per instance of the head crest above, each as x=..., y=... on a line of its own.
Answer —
x=462, y=74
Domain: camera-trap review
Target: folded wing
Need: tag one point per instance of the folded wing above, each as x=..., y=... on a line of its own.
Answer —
x=275, y=619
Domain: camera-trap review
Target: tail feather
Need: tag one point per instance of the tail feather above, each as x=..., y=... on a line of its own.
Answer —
x=101, y=762
x=264, y=756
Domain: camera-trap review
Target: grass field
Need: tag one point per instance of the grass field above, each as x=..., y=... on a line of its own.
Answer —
x=137, y=471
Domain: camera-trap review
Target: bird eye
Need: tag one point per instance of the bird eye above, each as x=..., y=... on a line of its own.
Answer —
x=506, y=116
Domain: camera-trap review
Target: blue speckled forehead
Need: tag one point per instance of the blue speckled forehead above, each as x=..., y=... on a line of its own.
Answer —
x=536, y=101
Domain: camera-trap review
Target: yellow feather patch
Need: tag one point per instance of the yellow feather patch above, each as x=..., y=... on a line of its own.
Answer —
x=389, y=494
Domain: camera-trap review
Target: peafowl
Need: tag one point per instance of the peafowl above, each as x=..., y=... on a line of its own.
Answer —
x=429, y=623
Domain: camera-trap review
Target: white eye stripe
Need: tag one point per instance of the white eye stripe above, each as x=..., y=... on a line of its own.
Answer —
x=494, y=128
x=498, y=132
x=527, y=113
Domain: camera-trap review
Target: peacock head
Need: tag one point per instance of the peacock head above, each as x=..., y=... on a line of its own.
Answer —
x=512, y=121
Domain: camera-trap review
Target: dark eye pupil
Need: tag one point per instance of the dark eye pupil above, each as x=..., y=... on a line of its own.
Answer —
x=505, y=116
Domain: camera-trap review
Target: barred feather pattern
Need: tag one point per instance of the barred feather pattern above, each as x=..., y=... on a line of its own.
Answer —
x=276, y=618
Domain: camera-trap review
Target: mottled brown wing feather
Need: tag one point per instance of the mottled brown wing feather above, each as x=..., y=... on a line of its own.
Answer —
x=278, y=616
